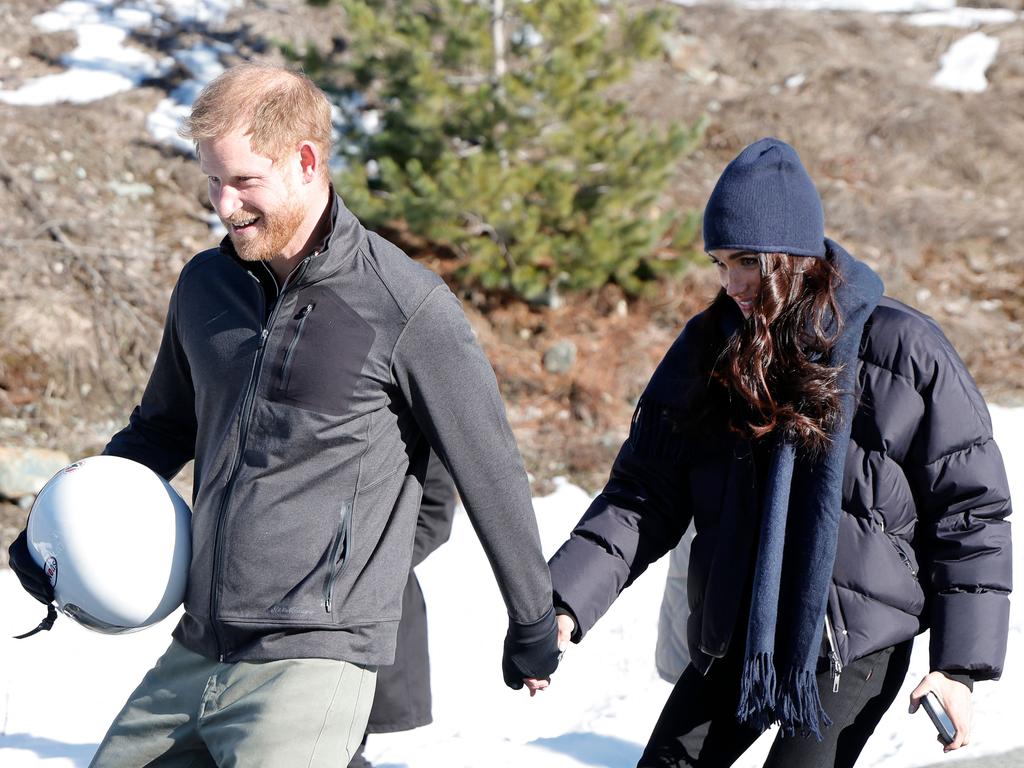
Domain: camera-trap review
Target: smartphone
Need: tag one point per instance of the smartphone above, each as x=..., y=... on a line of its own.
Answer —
x=939, y=718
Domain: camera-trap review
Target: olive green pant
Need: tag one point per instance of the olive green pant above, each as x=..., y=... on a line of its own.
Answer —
x=192, y=712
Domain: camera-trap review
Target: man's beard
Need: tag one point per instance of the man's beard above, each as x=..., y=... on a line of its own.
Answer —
x=274, y=232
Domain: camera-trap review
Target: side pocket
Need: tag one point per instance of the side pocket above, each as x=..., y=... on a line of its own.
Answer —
x=904, y=557
x=339, y=552
x=289, y=355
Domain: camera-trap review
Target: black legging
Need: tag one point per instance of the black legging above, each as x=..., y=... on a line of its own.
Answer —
x=698, y=725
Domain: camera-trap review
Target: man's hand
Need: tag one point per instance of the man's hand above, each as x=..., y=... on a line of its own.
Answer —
x=955, y=697
x=565, y=629
x=531, y=653
x=33, y=578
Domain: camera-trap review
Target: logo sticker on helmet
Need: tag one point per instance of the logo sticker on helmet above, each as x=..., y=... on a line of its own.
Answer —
x=72, y=467
x=50, y=567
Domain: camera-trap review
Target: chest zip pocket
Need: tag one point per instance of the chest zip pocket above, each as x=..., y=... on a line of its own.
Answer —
x=286, y=368
x=339, y=552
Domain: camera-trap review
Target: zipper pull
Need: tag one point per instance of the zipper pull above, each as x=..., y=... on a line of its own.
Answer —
x=304, y=311
x=835, y=665
x=263, y=337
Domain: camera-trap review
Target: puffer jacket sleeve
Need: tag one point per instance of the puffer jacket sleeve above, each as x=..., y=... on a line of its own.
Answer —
x=958, y=478
x=640, y=515
x=161, y=431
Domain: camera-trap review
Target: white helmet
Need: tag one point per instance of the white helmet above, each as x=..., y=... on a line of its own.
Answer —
x=115, y=539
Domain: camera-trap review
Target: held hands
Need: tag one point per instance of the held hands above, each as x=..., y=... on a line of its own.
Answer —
x=566, y=626
x=956, y=699
x=531, y=652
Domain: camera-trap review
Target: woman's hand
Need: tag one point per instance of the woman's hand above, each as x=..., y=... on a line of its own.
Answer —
x=955, y=697
x=566, y=626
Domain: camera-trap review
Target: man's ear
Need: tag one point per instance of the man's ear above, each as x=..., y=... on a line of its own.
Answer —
x=310, y=161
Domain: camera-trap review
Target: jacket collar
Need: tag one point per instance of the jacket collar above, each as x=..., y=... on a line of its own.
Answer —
x=344, y=237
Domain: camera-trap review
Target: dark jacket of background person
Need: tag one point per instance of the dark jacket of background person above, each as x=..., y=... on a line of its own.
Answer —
x=310, y=412
x=402, y=698
x=923, y=540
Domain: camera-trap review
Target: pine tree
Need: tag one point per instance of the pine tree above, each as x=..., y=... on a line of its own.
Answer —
x=497, y=138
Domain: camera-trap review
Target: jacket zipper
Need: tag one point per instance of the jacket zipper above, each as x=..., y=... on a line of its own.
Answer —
x=245, y=416
x=835, y=664
x=341, y=539
x=902, y=555
x=290, y=353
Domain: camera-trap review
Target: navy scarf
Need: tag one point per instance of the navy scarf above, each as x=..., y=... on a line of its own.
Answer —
x=797, y=544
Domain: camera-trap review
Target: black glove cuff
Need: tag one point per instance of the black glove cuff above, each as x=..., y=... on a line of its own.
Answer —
x=33, y=578
x=531, y=650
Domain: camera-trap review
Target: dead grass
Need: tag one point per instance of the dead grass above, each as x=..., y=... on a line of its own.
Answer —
x=923, y=184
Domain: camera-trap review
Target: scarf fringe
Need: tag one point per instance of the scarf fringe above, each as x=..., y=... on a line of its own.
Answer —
x=793, y=701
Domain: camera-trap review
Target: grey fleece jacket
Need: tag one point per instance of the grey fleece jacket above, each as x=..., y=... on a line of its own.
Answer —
x=309, y=411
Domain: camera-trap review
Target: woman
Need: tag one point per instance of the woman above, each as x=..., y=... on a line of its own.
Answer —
x=837, y=462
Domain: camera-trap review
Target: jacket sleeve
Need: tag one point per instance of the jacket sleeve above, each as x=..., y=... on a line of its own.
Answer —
x=453, y=395
x=959, y=482
x=161, y=431
x=437, y=508
x=641, y=513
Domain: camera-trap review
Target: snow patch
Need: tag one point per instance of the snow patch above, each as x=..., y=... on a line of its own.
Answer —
x=60, y=689
x=964, y=64
x=866, y=6
x=963, y=18
x=100, y=65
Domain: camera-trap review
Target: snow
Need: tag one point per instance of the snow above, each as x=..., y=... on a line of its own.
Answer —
x=963, y=18
x=865, y=6
x=103, y=64
x=100, y=65
x=964, y=64
x=202, y=61
x=59, y=690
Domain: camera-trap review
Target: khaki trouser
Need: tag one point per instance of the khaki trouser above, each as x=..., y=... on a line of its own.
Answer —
x=190, y=712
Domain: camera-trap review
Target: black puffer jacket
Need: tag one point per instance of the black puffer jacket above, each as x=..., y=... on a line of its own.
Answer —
x=402, y=699
x=923, y=541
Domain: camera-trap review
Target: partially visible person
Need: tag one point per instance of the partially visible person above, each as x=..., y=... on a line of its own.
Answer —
x=837, y=464
x=671, y=654
x=308, y=367
x=402, y=700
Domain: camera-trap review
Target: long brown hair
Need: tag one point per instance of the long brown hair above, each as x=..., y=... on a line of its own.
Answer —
x=774, y=373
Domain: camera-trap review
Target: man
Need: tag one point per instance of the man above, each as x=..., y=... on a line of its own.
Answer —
x=308, y=366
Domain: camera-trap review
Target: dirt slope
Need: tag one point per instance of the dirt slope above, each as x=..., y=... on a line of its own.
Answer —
x=924, y=184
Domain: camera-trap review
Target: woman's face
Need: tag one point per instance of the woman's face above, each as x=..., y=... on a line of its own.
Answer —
x=740, y=275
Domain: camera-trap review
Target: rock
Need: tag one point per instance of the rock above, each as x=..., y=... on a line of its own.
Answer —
x=43, y=173
x=131, y=189
x=24, y=471
x=560, y=357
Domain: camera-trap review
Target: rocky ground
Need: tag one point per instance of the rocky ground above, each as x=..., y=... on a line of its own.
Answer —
x=923, y=184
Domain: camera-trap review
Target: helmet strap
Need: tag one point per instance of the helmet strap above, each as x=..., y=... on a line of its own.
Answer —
x=47, y=623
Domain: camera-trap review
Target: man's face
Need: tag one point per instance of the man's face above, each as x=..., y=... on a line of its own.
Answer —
x=259, y=201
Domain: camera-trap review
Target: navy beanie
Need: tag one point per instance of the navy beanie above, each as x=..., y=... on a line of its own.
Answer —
x=765, y=202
